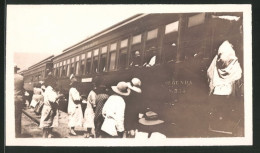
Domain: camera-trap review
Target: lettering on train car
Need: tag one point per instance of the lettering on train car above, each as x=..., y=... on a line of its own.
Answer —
x=178, y=86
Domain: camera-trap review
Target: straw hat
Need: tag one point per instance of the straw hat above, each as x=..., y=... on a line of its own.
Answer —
x=121, y=89
x=150, y=118
x=135, y=85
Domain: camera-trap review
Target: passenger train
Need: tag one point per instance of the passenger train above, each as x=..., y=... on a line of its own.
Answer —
x=183, y=45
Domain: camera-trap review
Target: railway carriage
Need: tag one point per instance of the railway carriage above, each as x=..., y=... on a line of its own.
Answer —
x=183, y=45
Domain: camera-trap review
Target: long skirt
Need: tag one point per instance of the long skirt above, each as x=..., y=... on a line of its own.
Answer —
x=89, y=116
x=49, y=117
x=75, y=116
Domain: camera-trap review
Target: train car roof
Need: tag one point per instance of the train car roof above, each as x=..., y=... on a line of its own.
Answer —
x=114, y=27
x=48, y=59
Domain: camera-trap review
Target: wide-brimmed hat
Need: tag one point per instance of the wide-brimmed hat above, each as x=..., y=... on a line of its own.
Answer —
x=121, y=88
x=135, y=85
x=150, y=118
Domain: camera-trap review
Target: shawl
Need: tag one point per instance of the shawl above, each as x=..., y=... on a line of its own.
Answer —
x=225, y=68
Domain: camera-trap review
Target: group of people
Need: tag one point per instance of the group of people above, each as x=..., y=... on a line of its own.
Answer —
x=104, y=115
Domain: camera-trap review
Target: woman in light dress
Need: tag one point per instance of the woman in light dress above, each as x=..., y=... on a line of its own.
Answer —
x=74, y=108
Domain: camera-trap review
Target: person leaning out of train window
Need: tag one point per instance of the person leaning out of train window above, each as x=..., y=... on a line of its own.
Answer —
x=74, y=107
x=151, y=57
x=136, y=60
x=50, y=113
x=114, y=112
x=223, y=74
x=133, y=107
x=89, y=112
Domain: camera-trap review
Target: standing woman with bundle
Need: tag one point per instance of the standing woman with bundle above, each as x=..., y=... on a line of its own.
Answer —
x=74, y=108
x=49, y=115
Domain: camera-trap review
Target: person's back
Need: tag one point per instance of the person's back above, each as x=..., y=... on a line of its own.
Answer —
x=18, y=87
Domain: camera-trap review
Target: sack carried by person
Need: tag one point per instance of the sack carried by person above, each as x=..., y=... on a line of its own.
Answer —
x=109, y=126
x=38, y=108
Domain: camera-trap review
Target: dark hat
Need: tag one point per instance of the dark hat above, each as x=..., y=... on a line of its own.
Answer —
x=150, y=118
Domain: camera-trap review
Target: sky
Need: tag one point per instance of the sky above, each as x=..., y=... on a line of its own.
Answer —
x=43, y=30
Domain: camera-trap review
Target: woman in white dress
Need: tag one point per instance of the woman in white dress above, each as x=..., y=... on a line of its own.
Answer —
x=74, y=108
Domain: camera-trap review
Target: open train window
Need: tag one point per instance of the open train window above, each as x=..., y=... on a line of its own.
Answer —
x=82, y=64
x=112, y=57
x=60, y=69
x=103, y=59
x=196, y=20
x=151, y=49
x=77, y=65
x=88, y=64
x=68, y=67
x=64, y=69
x=135, y=56
x=72, y=66
x=95, y=61
x=170, y=41
x=123, y=54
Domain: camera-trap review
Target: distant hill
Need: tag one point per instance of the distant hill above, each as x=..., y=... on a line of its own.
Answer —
x=26, y=59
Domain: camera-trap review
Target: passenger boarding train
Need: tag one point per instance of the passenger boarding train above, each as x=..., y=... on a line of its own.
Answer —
x=174, y=49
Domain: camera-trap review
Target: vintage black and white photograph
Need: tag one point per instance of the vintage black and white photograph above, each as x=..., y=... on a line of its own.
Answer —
x=161, y=75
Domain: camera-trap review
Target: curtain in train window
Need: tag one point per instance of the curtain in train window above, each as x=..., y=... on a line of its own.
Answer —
x=112, y=56
x=72, y=68
x=112, y=60
x=77, y=68
x=68, y=67
x=68, y=70
x=95, y=61
x=82, y=67
x=123, y=54
x=170, y=41
x=77, y=65
x=103, y=59
x=88, y=64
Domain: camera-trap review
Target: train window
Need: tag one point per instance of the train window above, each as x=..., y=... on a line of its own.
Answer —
x=72, y=68
x=68, y=67
x=82, y=56
x=152, y=34
x=88, y=64
x=137, y=39
x=170, y=41
x=95, y=61
x=112, y=56
x=103, y=59
x=123, y=43
x=63, y=70
x=112, y=60
x=123, y=54
x=196, y=20
x=151, y=55
x=172, y=27
x=82, y=67
x=77, y=65
x=113, y=47
x=68, y=70
x=54, y=66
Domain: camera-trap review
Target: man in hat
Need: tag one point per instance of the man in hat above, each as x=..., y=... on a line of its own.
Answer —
x=19, y=100
x=114, y=111
x=136, y=61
